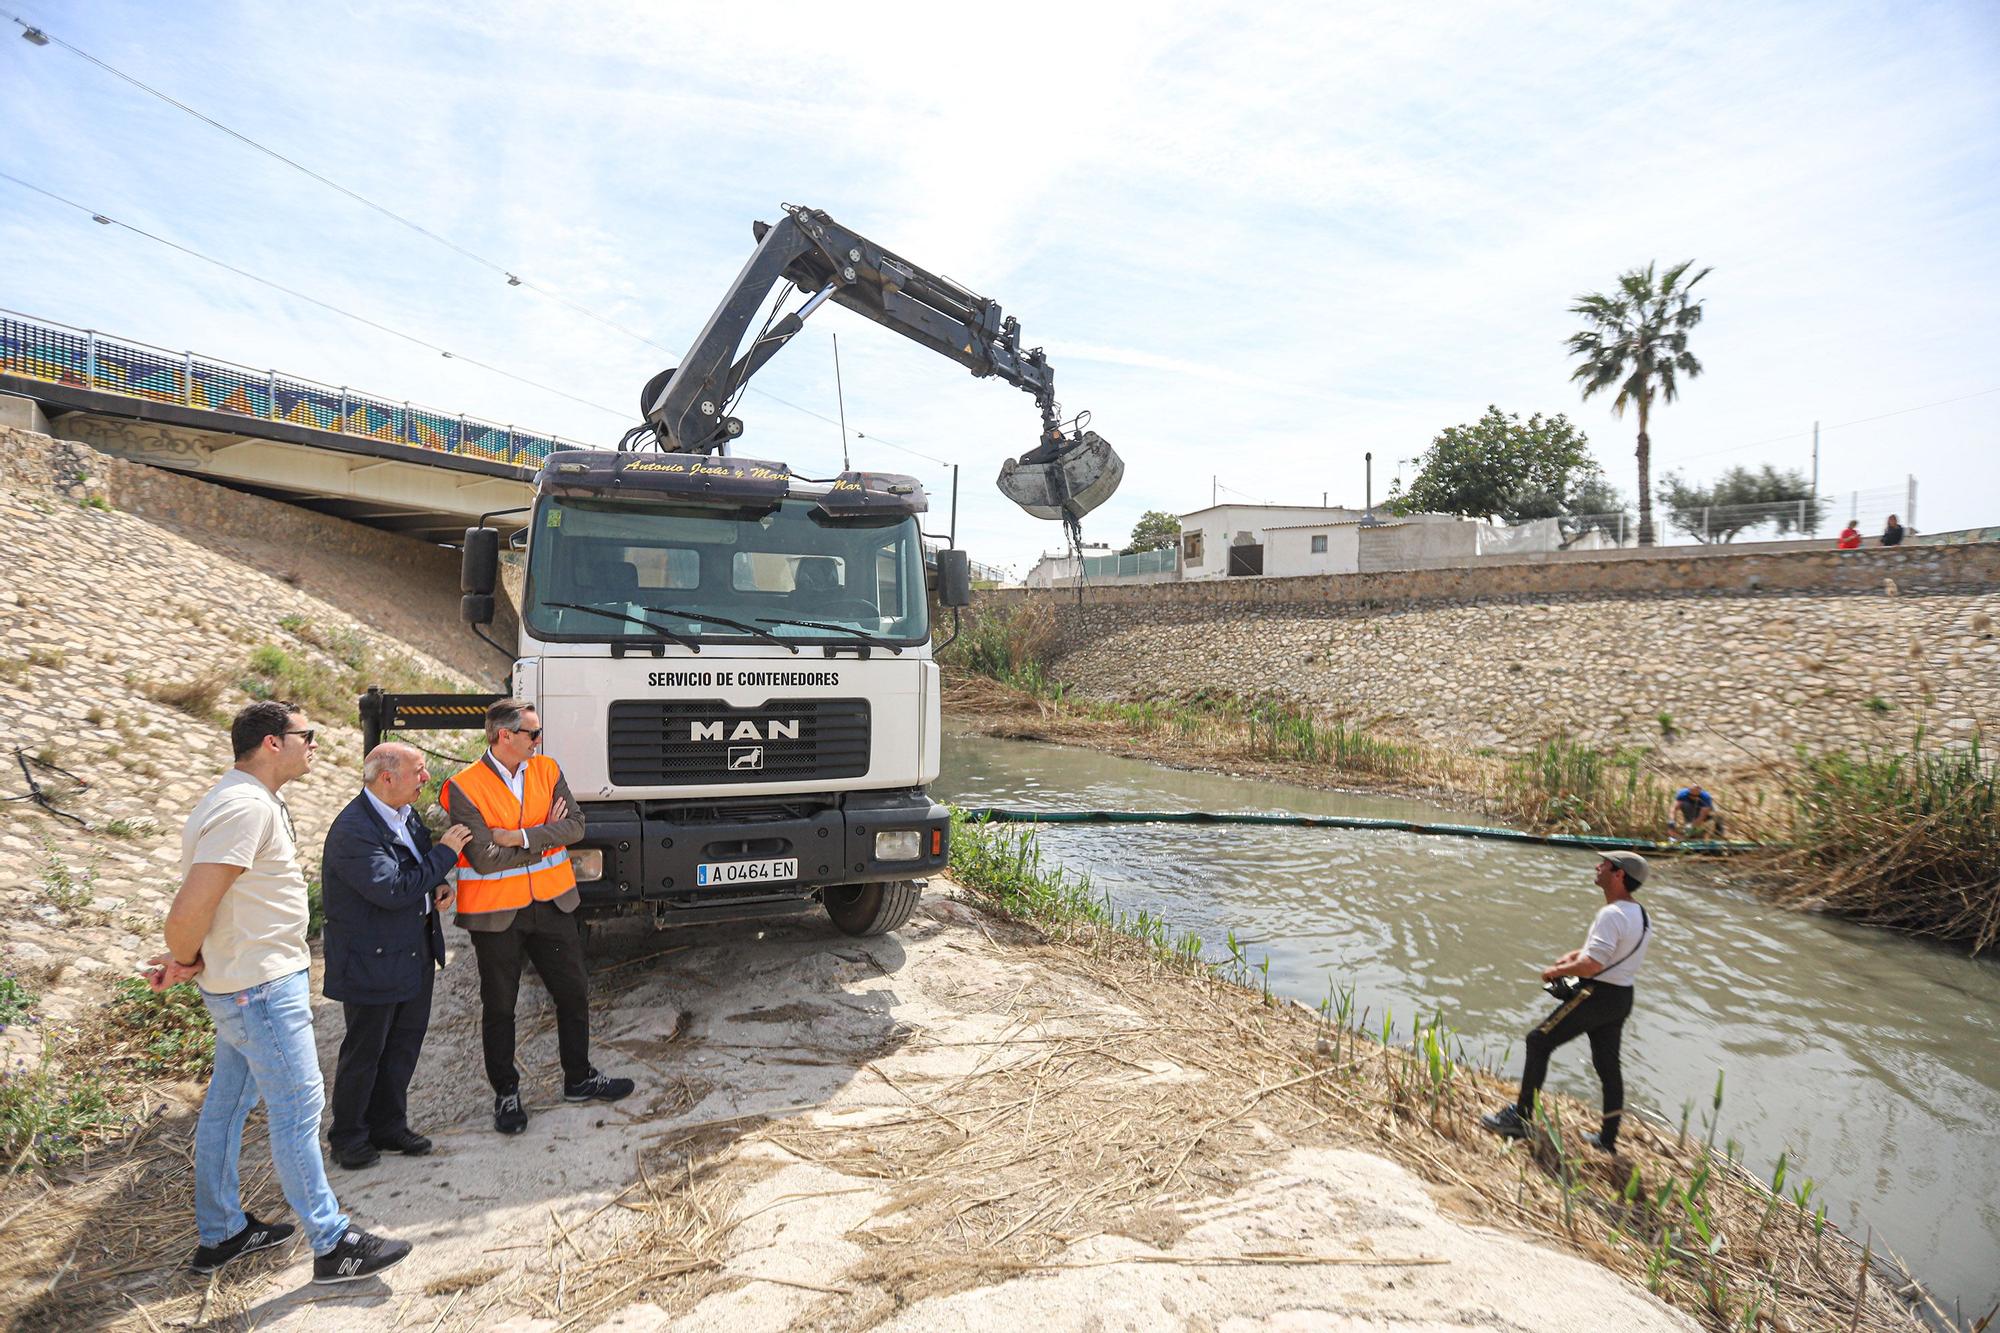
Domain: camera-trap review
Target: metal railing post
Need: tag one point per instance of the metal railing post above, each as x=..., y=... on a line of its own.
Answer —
x=462, y=434
x=1704, y=525
x=271, y=395
x=187, y=378
x=343, y=409
x=1802, y=517
x=90, y=362
x=403, y=435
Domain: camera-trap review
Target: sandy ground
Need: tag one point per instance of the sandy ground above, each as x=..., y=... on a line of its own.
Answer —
x=949, y=1128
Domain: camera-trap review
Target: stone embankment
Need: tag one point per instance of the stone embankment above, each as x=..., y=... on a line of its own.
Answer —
x=1715, y=660
x=125, y=642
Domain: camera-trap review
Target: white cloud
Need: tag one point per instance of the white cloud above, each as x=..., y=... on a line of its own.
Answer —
x=1256, y=244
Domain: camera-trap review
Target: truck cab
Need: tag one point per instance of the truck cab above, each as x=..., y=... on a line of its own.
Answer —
x=733, y=667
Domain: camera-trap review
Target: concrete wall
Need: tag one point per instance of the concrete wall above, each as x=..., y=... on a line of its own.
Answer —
x=1712, y=659
x=1416, y=545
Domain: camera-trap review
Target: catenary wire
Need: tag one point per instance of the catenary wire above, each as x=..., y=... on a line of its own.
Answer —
x=1842, y=425
x=512, y=276
x=107, y=220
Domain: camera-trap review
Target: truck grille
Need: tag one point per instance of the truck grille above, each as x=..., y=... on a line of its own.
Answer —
x=685, y=743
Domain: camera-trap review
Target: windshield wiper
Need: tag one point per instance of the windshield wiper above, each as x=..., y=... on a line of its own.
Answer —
x=661, y=630
x=861, y=634
x=711, y=617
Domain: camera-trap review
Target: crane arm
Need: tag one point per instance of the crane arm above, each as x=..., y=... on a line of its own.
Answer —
x=1065, y=475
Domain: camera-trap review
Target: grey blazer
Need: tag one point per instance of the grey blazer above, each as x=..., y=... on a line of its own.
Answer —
x=488, y=856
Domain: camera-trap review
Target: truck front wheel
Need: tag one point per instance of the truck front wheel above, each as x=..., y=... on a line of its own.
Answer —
x=872, y=909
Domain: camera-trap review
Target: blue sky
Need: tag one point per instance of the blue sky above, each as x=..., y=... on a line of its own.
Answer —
x=1255, y=243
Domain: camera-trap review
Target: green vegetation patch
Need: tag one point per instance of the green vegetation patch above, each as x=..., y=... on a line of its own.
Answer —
x=1910, y=841
x=1571, y=787
x=159, y=1034
x=15, y=1000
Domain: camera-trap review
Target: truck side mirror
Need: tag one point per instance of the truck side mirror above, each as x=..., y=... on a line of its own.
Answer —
x=954, y=578
x=479, y=570
x=478, y=574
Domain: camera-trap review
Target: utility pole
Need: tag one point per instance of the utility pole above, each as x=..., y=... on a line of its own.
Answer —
x=1213, y=482
x=1814, y=511
x=1368, y=486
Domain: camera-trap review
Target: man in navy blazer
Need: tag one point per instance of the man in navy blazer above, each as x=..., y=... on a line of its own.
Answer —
x=384, y=886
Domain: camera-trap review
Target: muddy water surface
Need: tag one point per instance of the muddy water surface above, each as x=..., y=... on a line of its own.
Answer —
x=1873, y=1058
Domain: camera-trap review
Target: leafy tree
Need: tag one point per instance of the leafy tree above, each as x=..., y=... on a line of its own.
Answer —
x=1637, y=342
x=1738, y=499
x=1594, y=504
x=1500, y=465
x=1153, y=531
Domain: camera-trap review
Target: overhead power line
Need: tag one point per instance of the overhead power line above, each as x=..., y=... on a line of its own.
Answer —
x=513, y=277
x=108, y=221
x=1842, y=425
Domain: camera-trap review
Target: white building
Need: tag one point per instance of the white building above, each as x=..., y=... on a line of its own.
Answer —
x=1267, y=539
x=1282, y=541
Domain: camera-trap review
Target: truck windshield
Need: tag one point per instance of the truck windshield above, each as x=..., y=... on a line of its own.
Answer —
x=759, y=567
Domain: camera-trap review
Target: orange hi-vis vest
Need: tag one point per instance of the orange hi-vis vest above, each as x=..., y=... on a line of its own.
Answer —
x=508, y=890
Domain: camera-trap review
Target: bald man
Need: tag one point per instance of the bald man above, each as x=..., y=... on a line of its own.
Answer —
x=384, y=885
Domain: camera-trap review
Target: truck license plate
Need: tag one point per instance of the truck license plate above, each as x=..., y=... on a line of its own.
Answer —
x=746, y=872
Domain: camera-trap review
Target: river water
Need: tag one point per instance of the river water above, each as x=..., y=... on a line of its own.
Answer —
x=1873, y=1059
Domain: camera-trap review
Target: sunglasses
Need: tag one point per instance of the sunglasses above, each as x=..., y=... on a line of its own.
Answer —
x=308, y=733
x=534, y=735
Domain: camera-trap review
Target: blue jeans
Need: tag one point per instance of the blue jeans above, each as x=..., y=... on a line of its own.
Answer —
x=264, y=1047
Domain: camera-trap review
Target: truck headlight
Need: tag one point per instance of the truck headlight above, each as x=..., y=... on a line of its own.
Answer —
x=587, y=862
x=903, y=845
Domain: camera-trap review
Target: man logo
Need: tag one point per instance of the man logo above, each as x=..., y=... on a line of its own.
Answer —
x=746, y=757
x=744, y=731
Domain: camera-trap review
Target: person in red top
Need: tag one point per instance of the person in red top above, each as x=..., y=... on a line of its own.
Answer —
x=1850, y=537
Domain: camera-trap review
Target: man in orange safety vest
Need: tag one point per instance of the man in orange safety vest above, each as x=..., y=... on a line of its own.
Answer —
x=517, y=898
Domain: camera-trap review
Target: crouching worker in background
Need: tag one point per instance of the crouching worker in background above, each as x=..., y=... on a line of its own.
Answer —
x=384, y=885
x=1593, y=988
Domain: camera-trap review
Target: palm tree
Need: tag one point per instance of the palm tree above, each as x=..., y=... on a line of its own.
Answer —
x=1637, y=340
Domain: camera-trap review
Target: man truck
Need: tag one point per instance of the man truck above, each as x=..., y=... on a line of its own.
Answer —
x=732, y=662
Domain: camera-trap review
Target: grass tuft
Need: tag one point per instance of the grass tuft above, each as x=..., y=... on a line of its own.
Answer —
x=1910, y=841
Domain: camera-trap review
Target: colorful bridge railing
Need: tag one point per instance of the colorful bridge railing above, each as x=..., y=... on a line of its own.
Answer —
x=84, y=359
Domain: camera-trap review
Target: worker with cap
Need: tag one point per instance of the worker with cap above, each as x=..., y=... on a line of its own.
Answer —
x=1593, y=987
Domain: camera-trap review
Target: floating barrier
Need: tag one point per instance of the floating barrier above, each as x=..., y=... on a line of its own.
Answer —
x=1578, y=841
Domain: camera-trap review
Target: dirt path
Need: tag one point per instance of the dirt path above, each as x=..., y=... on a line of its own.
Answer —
x=958, y=1127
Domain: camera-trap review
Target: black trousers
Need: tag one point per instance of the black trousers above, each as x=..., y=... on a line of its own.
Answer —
x=371, y=1078
x=1598, y=1011
x=549, y=938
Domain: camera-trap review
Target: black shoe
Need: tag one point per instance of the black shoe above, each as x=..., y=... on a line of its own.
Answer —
x=405, y=1141
x=357, y=1255
x=509, y=1116
x=357, y=1157
x=1506, y=1122
x=254, y=1236
x=1599, y=1142
x=597, y=1088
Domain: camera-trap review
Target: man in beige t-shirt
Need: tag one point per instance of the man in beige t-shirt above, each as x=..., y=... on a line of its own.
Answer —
x=237, y=928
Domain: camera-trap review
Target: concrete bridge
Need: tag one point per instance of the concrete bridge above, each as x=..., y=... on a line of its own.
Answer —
x=391, y=465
